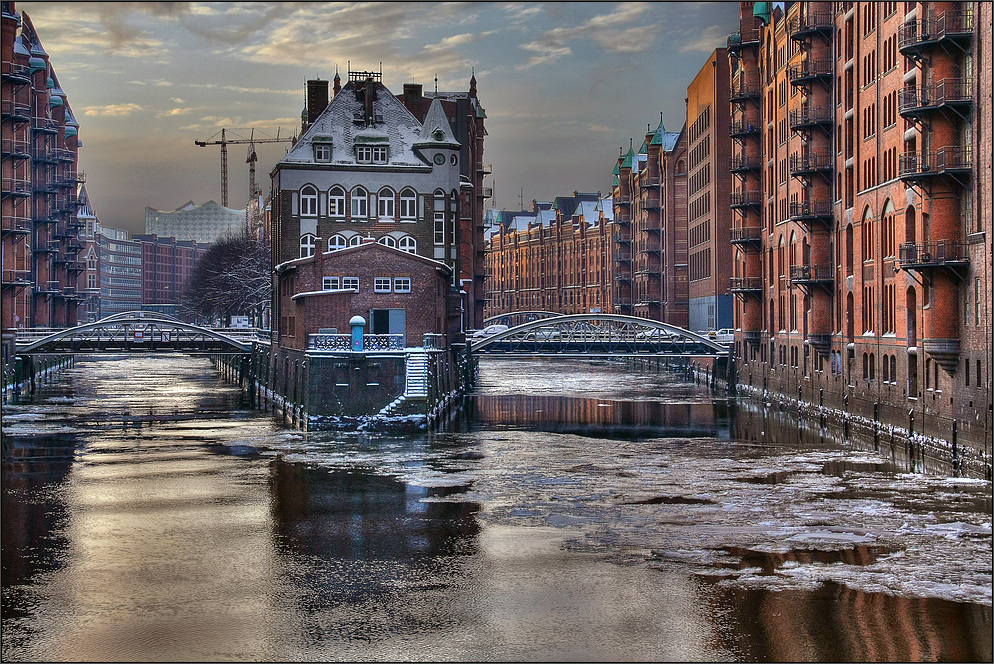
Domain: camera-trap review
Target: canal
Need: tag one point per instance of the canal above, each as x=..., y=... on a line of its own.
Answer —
x=578, y=511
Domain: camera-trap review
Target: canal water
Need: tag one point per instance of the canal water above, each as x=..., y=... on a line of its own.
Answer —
x=578, y=511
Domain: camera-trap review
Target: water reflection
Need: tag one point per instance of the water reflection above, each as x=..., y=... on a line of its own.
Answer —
x=605, y=418
x=358, y=515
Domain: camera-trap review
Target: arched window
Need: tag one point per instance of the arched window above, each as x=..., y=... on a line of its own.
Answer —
x=385, y=204
x=408, y=244
x=849, y=250
x=360, y=204
x=408, y=205
x=355, y=240
x=336, y=202
x=306, y=245
x=308, y=201
x=336, y=242
x=388, y=241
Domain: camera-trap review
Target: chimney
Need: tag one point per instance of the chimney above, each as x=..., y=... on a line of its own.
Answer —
x=370, y=96
x=412, y=94
x=317, y=99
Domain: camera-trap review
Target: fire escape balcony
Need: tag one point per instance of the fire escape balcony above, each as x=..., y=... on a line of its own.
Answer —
x=44, y=156
x=14, y=111
x=915, y=101
x=949, y=27
x=744, y=164
x=741, y=200
x=16, y=187
x=931, y=255
x=15, y=73
x=954, y=161
x=45, y=125
x=746, y=235
x=746, y=286
x=15, y=149
x=809, y=211
x=16, y=278
x=804, y=165
x=809, y=71
x=47, y=247
x=811, y=275
x=47, y=287
x=742, y=91
x=809, y=116
x=13, y=224
x=650, y=199
x=743, y=129
x=802, y=27
x=746, y=37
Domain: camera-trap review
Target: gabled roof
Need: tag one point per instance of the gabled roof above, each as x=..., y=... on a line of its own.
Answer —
x=393, y=253
x=627, y=163
x=337, y=124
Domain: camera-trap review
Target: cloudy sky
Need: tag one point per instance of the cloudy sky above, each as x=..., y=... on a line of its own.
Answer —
x=565, y=85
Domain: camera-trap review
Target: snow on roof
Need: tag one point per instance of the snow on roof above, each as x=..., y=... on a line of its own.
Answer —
x=338, y=124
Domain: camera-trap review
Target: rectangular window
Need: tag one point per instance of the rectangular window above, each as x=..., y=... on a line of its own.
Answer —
x=331, y=283
x=364, y=154
x=359, y=205
x=380, y=154
x=386, y=207
x=381, y=285
x=350, y=283
x=402, y=285
x=439, y=228
x=322, y=152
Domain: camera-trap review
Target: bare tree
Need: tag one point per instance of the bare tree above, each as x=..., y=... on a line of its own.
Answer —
x=233, y=278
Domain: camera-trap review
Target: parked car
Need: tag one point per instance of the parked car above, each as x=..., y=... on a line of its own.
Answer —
x=489, y=331
x=543, y=334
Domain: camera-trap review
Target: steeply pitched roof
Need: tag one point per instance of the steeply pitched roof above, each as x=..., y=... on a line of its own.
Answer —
x=343, y=122
x=436, y=132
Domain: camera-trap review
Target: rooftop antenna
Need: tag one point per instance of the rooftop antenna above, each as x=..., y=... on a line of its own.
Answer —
x=436, y=85
x=521, y=198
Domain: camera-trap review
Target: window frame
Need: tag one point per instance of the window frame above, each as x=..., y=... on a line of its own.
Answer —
x=336, y=203
x=402, y=285
x=309, y=201
x=382, y=285
x=359, y=206
x=350, y=283
x=307, y=242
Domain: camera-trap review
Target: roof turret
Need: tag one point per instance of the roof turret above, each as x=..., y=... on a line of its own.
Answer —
x=436, y=131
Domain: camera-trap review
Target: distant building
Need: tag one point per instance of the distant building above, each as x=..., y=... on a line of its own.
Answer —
x=90, y=281
x=204, y=224
x=556, y=257
x=120, y=272
x=167, y=265
x=40, y=140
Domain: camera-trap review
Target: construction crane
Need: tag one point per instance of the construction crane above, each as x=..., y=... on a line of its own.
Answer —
x=251, y=140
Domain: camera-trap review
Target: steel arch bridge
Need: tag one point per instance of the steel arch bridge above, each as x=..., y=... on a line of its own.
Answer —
x=132, y=331
x=598, y=335
x=518, y=317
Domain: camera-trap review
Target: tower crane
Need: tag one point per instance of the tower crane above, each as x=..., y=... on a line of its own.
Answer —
x=226, y=139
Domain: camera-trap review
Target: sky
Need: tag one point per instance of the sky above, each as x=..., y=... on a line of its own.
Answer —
x=566, y=86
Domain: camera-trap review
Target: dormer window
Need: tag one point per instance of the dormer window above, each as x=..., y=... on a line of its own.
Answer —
x=322, y=152
x=371, y=154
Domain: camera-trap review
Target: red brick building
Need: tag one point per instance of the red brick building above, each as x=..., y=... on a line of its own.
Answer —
x=650, y=211
x=862, y=270
x=557, y=258
x=40, y=236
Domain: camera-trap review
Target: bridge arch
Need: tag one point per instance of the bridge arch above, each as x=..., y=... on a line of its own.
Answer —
x=518, y=317
x=599, y=335
x=133, y=331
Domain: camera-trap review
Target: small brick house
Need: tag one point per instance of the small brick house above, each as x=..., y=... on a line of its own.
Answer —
x=396, y=292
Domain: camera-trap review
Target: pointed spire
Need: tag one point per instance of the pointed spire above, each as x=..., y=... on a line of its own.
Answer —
x=436, y=130
x=472, y=84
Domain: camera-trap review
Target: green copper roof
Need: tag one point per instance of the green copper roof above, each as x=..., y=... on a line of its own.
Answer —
x=627, y=163
x=657, y=136
x=644, y=149
x=616, y=170
x=761, y=10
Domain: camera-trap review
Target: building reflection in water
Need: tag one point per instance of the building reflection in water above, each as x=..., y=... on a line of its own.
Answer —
x=355, y=514
x=834, y=623
x=605, y=417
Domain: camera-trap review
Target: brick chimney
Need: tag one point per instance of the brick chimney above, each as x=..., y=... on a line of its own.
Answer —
x=317, y=99
x=370, y=96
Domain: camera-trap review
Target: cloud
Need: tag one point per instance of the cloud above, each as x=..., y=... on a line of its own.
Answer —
x=711, y=38
x=113, y=110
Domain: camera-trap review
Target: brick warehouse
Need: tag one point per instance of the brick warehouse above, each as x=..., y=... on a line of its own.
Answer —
x=863, y=259
x=40, y=238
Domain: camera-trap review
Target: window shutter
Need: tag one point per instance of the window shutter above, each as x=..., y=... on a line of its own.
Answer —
x=294, y=206
x=324, y=204
x=374, y=212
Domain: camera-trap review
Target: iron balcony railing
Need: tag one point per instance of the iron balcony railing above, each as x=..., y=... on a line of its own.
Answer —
x=921, y=165
x=16, y=187
x=933, y=254
x=16, y=224
x=741, y=164
x=17, y=277
x=810, y=116
x=810, y=274
x=746, y=234
x=745, y=284
x=801, y=27
x=15, y=111
x=801, y=164
x=913, y=100
x=343, y=342
x=743, y=199
x=742, y=90
x=810, y=210
x=14, y=70
x=810, y=70
x=742, y=128
x=951, y=25
x=744, y=37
